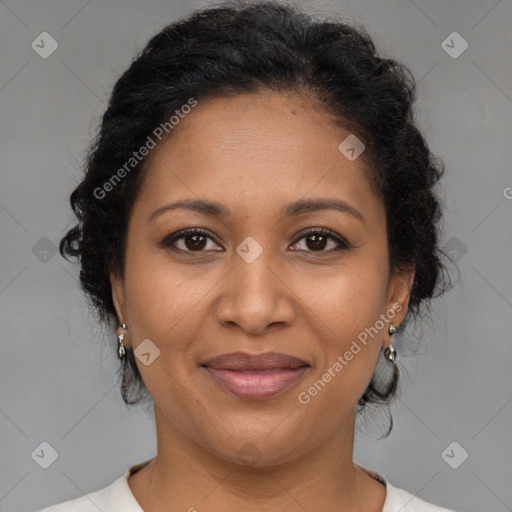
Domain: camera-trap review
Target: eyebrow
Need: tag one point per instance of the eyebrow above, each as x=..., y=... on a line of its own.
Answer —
x=299, y=207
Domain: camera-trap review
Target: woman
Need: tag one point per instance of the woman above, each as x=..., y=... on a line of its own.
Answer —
x=258, y=219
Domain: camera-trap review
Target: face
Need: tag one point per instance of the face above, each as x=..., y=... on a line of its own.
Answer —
x=257, y=279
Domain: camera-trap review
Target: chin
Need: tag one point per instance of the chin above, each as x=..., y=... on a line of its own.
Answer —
x=258, y=453
x=258, y=443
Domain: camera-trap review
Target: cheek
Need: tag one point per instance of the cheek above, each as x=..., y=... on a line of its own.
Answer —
x=345, y=300
x=163, y=297
x=161, y=305
x=346, y=363
x=347, y=311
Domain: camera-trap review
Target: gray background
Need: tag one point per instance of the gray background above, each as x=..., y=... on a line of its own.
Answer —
x=57, y=376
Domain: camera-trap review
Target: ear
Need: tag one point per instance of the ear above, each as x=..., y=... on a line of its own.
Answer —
x=400, y=292
x=119, y=297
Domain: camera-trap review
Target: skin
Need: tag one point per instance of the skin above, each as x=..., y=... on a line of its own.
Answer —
x=254, y=153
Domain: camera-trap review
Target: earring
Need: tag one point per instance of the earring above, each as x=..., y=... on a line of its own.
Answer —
x=390, y=352
x=121, y=351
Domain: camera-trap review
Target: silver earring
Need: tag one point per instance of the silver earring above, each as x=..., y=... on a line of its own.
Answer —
x=390, y=352
x=121, y=351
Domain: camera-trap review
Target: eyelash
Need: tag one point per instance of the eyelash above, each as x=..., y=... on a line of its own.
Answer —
x=171, y=239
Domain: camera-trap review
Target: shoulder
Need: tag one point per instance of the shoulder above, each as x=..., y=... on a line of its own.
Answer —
x=112, y=497
x=400, y=500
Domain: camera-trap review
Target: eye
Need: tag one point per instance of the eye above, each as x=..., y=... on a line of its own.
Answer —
x=196, y=240
x=316, y=240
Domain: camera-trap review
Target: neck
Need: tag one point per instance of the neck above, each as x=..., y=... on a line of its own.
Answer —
x=186, y=476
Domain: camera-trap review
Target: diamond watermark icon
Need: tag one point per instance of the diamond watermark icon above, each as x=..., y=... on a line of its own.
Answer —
x=249, y=454
x=45, y=455
x=454, y=45
x=44, y=250
x=454, y=455
x=146, y=352
x=351, y=147
x=455, y=249
x=44, y=45
x=249, y=249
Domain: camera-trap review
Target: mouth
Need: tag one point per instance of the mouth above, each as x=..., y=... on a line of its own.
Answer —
x=256, y=376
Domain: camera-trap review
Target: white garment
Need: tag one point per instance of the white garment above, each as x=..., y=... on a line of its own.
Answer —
x=118, y=497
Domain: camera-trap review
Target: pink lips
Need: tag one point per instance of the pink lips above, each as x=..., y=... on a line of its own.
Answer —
x=256, y=376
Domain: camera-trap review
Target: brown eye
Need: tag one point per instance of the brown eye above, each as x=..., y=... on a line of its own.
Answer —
x=317, y=241
x=196, y=241
x=192, y=240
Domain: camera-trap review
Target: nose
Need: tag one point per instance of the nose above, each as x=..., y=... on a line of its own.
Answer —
x=256, y=296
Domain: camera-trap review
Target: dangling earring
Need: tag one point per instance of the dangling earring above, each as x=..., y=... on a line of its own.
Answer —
x=390, y=352
x=121, y=351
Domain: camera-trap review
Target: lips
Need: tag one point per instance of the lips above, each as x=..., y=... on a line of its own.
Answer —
x=255, y=376
x=240, y=361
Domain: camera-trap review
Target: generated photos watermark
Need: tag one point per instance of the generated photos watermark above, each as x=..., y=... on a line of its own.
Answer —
x=305, y=397
x=143, y=151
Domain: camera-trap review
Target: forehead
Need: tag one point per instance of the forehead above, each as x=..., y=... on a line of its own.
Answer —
x=255, y=149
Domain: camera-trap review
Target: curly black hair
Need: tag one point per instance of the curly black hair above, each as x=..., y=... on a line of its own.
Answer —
x=239, y=47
